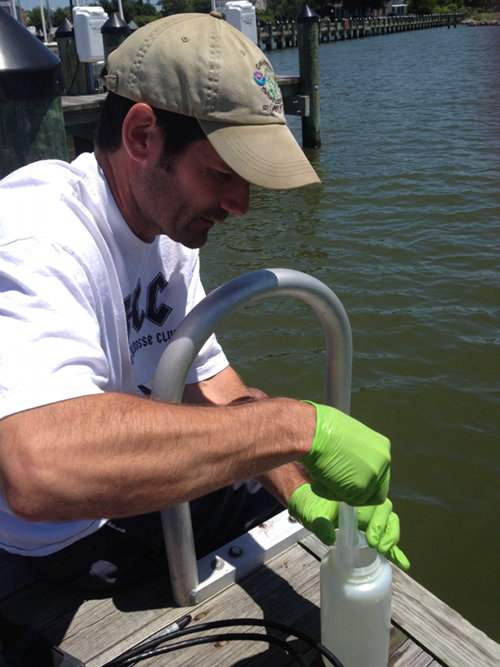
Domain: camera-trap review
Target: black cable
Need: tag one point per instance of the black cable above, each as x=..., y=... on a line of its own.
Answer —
x=208, y=639
x=136, y=654
x=285, y=629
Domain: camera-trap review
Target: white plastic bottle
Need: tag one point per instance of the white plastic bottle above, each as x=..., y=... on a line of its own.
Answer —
x=356, y=606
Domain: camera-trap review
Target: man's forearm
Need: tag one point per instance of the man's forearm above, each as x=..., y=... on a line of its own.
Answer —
x=227, y=387
x=117, y=455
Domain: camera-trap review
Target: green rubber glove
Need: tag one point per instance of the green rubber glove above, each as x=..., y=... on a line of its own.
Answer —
x=320, y=516
x=352, y=461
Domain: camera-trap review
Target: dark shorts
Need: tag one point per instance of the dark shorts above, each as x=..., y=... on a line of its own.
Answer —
x=132, y=549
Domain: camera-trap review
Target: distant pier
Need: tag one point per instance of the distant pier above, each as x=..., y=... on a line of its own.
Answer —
x=285, y=34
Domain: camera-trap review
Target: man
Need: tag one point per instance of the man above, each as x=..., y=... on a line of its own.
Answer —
x=98, y=265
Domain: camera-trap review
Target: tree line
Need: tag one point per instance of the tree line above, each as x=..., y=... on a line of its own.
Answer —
x=141, y=12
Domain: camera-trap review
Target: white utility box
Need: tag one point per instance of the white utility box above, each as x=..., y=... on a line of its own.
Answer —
x=87, y=24
x=241, y=15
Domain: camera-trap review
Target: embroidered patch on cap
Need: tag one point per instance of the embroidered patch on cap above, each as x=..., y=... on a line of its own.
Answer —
x=264, y=77
x=259, y=78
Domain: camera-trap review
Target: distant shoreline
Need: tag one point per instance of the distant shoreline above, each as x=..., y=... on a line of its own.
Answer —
x=472, y=22
x=483, y=18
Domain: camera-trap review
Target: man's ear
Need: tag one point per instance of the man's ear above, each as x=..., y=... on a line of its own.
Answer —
x=140, y=133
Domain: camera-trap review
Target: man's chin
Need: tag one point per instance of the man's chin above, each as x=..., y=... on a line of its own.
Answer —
x=193, y=241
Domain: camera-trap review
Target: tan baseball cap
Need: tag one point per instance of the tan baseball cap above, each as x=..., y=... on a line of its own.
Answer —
x=198, y=65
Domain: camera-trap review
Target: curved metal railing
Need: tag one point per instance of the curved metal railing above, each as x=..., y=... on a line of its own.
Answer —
x=176, y=361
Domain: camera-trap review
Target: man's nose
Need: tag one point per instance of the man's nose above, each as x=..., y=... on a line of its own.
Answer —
x=236, y=196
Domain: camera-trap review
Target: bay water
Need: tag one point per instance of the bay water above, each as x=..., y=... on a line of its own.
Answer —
x=405, y=229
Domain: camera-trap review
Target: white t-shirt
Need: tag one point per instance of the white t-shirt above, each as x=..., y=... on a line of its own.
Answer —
x=85, y=307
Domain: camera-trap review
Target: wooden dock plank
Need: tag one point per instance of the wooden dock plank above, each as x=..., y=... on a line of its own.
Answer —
x=284, y=590
x=261, y=595
x=411, y=655
x=287, y=589
x=443, y=631
x=398, y=638
x=116, y=624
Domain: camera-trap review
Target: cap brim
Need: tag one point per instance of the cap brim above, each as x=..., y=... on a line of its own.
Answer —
x=265, y=155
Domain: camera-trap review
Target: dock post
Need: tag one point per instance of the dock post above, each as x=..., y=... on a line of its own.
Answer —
x=308, y=33
x=269, y=38
x=114, y=31
x=328, y=22
x=31, y=116
x=76, y=80
x=279, y=35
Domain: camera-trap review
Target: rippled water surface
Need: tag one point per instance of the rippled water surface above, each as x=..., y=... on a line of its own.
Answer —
x=405, y=229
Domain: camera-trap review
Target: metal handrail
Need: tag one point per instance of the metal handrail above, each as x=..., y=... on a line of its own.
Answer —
x=176, y=361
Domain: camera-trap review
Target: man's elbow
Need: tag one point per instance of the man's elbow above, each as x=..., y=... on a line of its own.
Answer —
x=21, y=476
x=23, y=496
x=24, y=507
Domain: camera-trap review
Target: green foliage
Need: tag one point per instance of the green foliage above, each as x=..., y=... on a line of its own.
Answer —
x=170, y=7
x=60, y=14
x=264, y=15
x=421, y=7
x=286, y=9
x=277, y=10
x=201, y=6
x=362, y=7
x=142, y=19
x=446, y=9
x=34, y=18
x=147, y=9
x=109, y=6
x=133, y=10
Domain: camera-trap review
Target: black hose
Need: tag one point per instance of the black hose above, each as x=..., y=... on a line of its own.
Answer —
x=208, y=639
x=148, y=648
x=280, y=627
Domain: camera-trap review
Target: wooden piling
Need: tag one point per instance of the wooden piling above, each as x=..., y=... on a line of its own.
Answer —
x=31, y=116
x=308, y=40
x=269, y=38
x=76, y=78
x=114, y=32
